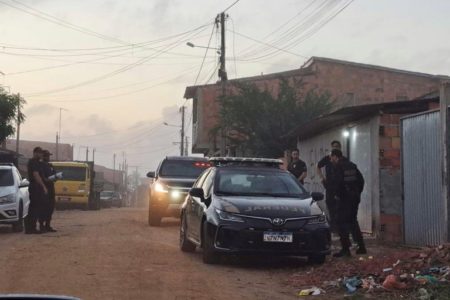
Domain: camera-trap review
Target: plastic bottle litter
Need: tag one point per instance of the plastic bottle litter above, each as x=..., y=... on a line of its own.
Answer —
x=352, y=284
x=313, y=291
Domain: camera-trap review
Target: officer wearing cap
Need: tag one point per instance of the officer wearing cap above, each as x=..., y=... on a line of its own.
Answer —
x=49, y=205
x=37, y=191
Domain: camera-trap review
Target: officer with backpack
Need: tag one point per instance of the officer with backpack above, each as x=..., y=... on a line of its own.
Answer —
x=350, y=184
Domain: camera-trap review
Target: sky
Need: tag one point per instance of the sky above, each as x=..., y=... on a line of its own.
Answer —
x=117, y=70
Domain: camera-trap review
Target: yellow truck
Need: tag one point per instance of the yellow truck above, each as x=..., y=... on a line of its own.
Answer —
x=76, y=188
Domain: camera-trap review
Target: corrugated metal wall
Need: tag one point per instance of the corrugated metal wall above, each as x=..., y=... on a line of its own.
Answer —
x=423, y=206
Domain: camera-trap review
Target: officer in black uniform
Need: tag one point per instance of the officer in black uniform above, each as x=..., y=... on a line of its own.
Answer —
x=37, y=190
x=48, y=171
x=297, y=167
x=329, y=182
x=350, y=184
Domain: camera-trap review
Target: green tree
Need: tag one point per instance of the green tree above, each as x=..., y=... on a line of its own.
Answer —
x=10, y=105
x=257, y=123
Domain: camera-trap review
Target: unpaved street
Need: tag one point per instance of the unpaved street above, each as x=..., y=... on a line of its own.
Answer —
x=113, y=254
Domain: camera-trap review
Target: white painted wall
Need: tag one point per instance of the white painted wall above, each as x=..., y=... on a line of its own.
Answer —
x=363, y=152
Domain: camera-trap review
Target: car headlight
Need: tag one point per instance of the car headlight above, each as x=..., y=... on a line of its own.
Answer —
x=8, y=199
x=225, y=216
x=319, y=219
x=161, y=188
x=175, y=194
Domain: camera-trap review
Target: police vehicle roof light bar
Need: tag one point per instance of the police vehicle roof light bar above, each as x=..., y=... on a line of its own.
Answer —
x=249, y=161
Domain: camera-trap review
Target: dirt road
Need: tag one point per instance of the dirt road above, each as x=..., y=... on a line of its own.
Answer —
x=113, y=254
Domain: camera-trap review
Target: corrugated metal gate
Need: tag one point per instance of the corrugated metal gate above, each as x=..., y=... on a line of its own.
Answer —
x=423, y=206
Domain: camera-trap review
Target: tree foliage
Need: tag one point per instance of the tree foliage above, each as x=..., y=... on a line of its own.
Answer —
x=258, y=123
x=9, y=113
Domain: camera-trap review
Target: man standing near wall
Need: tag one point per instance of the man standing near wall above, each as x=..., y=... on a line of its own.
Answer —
x=329, y=182
x=297, y=167
x=350, y=184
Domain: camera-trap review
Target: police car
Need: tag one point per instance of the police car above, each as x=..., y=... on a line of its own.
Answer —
x=242, y=205
x=14, y=197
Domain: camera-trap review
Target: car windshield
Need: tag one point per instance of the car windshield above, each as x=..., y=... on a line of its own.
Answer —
x=72, y=173
x=183, y=168
x=258, y=183
x=6, y=178
x=107, y=194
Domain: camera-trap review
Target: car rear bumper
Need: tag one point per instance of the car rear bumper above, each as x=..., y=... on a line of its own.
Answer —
x=62, y=199
x=309, y=240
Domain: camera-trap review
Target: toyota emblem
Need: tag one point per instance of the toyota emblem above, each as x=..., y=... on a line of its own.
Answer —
x=278, y=221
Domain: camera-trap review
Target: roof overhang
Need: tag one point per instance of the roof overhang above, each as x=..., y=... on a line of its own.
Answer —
x=355, y=113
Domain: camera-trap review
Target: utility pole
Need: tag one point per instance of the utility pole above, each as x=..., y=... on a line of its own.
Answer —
x=58, y=134
x=444, y=98
x=87, y=153
x=18, y=126
x=114, y=171
x=221, y=18
x=93, y=155
x=182, y=110
x=186, y=146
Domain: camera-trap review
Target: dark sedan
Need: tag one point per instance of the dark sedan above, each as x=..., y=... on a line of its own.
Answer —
x=238, y=208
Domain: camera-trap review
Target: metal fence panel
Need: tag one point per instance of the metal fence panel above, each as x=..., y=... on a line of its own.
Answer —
x=423, y=206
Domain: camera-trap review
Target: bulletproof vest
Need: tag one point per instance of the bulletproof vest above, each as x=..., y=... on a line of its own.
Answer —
x=350, y=173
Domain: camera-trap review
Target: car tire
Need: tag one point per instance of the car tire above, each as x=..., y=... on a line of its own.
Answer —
x=210, y=256
x=153, y=218
x=317, y=259
x=185, y=244
x=18, y=226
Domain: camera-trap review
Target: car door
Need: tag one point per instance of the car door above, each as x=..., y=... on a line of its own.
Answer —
x=190, y=205
x=199, y=207
x=22, y=191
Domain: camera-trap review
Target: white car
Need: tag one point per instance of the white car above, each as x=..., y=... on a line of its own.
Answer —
x=14, y=197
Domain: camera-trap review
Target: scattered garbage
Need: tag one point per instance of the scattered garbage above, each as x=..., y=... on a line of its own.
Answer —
x=423, y=294
x=391, y=283
x=314, y=291
x=404, y=271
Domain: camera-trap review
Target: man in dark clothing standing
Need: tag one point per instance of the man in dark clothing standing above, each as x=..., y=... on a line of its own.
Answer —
x=48, y=171
x=37, y=190
x=350, y=184
x=329, y=182
x=297, y=167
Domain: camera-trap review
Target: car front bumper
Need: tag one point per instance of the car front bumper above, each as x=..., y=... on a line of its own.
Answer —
x=167, y=204
x=8, y=213
x=233, y=237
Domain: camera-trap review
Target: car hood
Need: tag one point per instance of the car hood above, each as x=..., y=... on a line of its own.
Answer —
x=6, y=190
x=269, y=207
x=177, y=182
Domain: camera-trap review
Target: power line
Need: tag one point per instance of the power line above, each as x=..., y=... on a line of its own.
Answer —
x=234, y=3
x=110, y=74
x=204, y=57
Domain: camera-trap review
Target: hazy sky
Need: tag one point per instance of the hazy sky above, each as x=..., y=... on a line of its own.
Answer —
x=116, y=96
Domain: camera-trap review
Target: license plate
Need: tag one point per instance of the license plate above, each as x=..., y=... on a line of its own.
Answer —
x=278, y=237
x=64, y=199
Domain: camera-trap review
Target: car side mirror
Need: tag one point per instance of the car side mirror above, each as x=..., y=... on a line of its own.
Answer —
x=24, y=183
x=151, y=174
x=317, y=196
x=198, y=193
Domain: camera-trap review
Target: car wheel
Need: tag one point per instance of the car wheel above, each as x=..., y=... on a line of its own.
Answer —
x=18, y=226
x=317, y=259
x=210, y=256
x=185, y=244
x=153, y=218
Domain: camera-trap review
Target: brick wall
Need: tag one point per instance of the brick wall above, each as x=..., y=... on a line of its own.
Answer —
x=349, y=84
x=391, y=204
